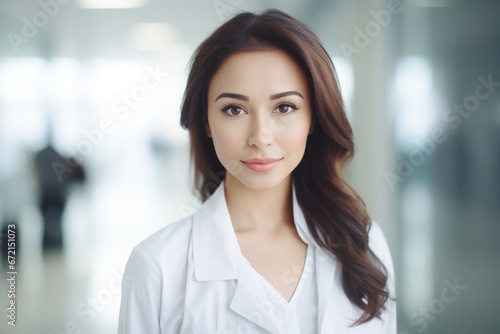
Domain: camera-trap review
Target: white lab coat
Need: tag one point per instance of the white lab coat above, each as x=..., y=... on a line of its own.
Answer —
x=188, y=278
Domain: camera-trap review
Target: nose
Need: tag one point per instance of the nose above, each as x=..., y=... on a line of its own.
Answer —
x=261, y=132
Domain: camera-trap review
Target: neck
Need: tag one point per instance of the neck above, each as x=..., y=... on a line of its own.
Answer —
x=267, y=211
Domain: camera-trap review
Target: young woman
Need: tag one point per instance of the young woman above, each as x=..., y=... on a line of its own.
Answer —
x=282, y=243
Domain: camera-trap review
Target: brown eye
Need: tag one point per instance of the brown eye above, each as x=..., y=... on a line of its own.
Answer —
x=286, y=108
x=232, y=110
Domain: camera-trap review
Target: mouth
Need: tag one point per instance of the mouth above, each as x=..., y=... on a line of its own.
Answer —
x=261, y=165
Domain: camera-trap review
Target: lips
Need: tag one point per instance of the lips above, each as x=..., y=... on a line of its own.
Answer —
x=261, y=165
x=261, y=161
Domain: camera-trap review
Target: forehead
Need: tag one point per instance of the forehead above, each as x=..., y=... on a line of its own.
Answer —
x=258, y=72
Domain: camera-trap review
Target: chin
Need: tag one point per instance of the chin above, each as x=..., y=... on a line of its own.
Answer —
x=258, y=182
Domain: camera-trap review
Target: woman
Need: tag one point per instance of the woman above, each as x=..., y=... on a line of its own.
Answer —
x=282, y=243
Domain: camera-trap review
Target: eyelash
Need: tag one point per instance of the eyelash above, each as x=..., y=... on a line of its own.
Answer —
x=225, y=108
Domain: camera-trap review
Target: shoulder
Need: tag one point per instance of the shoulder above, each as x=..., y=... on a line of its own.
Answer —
x=376, y=236
x=166, y=246
x=380, y=248
x=173, y=236
x=378, y=244
x=158, y=261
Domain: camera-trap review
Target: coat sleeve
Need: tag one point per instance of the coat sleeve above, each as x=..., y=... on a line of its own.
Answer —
x=379, y=246
x=141, y=295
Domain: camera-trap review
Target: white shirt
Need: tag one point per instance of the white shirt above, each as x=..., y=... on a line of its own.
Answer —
x=191, y=277
x=307, y=301
x=300, y=314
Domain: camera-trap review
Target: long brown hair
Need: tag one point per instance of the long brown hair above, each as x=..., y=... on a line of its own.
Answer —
x=335, y=214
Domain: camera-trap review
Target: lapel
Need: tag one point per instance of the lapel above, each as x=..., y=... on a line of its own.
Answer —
x=216, y=251
x=217, y=256
x=251, y=302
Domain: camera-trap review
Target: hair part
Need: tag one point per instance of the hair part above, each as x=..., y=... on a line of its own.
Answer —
x=335, y=213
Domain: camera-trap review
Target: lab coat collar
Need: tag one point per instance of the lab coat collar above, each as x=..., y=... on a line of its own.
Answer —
x=216, y=250
x=217, y=256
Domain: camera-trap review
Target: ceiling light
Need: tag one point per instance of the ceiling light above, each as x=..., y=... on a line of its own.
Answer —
x=152, y=36
x=111, y=3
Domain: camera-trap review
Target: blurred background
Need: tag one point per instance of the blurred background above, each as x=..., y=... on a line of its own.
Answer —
x=93, y=160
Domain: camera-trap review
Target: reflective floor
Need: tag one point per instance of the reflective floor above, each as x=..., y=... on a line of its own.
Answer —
x=79, y=288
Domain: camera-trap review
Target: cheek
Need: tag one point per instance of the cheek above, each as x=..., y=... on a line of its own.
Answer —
x=295, y=145
x=295, y=134
x=227, y=142
x=230, y=147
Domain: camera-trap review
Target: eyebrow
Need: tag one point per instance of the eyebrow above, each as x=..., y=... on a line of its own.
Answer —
x=245, y=98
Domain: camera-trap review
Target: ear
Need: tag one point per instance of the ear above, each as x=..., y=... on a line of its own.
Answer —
x=207, y=130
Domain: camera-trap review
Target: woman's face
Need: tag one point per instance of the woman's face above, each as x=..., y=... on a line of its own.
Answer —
x=259, y=108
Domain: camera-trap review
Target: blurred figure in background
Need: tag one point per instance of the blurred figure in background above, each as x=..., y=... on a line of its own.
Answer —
x=54, y=175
